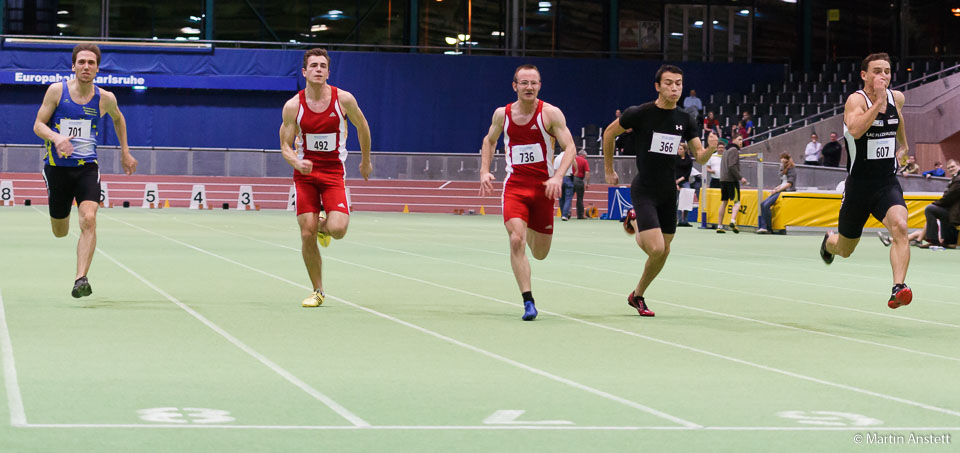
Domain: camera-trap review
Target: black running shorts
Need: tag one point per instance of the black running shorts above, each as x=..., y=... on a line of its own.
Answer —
x=655, y=208
x=65, y=184
x=865, y=197
x=730, y=191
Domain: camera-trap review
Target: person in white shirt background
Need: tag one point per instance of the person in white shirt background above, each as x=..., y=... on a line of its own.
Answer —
x=811, y=155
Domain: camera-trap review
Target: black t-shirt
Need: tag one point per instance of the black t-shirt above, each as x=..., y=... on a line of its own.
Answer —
x=831, y=154
x=656, y=138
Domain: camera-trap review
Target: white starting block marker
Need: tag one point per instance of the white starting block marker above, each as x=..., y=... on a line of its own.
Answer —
x=150, y=195
x=198, y=197
x=245, y=198
x=6, y=193
x=104, y=195
x=292, y=200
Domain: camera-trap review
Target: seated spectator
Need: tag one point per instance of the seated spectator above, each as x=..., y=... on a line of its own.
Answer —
x=714, y=163
x=693, y=105
x=911, y=168
x=711, y=124
x=811, y=154
x=942, y=217
x=946, y=210
x=831, y=151
x=937, y=170
x=788, y=182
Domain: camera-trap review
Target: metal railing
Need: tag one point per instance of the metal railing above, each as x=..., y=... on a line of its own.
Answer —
x=839, y=109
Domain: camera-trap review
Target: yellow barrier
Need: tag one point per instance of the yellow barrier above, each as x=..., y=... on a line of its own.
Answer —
x=806, y=209
x=748, y=207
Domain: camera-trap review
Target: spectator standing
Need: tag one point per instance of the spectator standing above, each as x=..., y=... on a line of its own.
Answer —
x=711, y=124
x=730, y=180
x=747, y=129
x=788, y=183
x=566, y=191
x=581, y=174
x=831, y=151
x=681, y=173
x=714, y=164
x=811, y=155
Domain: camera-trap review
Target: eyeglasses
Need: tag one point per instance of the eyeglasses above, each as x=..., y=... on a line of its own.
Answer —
x=528, y=83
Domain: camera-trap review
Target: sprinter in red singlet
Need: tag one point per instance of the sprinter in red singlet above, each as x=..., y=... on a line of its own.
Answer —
x=314, y=121
x=529, y=128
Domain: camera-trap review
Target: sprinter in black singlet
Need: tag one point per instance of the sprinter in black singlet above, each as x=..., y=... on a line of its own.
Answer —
x=873, y=128
x=658, y=129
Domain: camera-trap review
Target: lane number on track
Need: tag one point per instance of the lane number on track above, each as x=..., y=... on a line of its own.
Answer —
x=829, y=418
x=185, y=415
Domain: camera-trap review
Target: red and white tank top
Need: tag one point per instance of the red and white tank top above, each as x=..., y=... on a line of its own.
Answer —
x=529, y=147
x=323, y=135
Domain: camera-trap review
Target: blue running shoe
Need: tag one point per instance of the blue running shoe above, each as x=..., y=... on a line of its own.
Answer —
x=529, y=311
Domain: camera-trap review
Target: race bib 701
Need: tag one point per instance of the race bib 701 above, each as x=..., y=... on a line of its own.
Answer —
x=321, y=142
x=75, y=128
x=526, y=154
x=881, y=148
x=665, y=143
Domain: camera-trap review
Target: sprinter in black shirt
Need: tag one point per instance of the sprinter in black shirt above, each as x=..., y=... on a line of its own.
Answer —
x=658, y=128
x=873, y=128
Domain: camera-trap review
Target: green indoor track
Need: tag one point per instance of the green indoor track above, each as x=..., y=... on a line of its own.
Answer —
x=194, y=340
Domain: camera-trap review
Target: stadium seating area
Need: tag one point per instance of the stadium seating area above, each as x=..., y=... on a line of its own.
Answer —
x=807, y=97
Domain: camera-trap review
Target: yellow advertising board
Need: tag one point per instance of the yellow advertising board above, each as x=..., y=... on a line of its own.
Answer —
x=806, y=209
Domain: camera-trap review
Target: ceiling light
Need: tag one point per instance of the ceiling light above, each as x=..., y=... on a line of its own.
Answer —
x=544, y=4
x=744, y=11
x=63, y=12
x=321, y=27
x=496, y=33
x=450, y=40
x=676, y=34
x=463, y=38
x=62, y=25
x=698, y=23
x=190, y=31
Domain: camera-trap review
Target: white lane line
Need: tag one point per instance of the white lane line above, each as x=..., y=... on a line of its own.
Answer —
x=319, y=396
x=18, y=417
x=656, y=340
x=445, y=184
x=838, y=307
x=626, y=332
x=494, y=428
x=832, y=272
x=437, y=335
x=702, y=310
x=681, y=346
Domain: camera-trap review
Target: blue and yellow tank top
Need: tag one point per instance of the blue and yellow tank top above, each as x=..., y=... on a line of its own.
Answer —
x=81, y=123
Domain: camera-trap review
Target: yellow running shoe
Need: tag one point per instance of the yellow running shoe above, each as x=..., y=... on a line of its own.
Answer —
x=315, y=300
x=323, y=238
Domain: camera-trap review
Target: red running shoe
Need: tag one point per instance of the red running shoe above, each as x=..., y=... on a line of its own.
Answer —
x=901, y=295
x=641, y=305
x=627, y=226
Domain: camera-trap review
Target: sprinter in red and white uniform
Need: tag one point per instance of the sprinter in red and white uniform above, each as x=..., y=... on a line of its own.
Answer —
x=529, y=128
x=313, y=140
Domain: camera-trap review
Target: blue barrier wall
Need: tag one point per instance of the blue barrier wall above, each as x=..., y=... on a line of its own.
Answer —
x=416, y=103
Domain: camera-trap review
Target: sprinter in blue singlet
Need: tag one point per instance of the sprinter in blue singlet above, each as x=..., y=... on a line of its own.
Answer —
x=69, y=123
